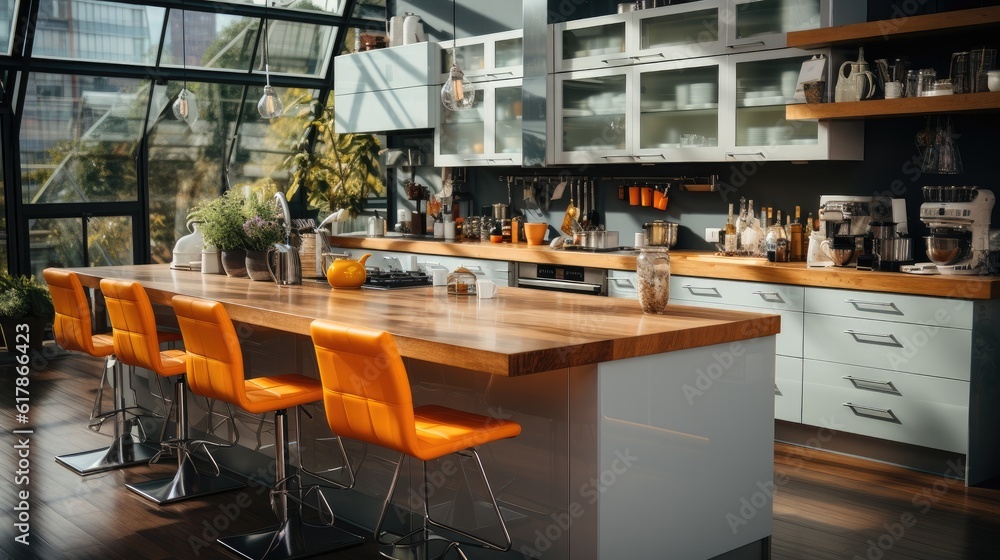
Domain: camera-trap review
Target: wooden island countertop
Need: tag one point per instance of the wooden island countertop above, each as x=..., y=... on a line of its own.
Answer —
x=697, y=263
x=520, y=332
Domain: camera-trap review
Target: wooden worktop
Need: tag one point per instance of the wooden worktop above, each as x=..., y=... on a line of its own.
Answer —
x=520, y=332
x=694, y=263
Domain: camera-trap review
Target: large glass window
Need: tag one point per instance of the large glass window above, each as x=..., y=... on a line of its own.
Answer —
x=98, y=31
x=8, y=10
x=79, y=136
x=3, y=208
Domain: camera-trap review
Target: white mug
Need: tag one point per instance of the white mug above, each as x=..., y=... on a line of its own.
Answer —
x=893, y=90
x=993, y=80
x=486, y=289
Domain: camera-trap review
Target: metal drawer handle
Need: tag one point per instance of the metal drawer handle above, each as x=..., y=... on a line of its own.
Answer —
x=885, y=414
x=770, y=297
x=700, y=291
x=611, y=157
x=746, y=45
x=640, y=57
x=622, y=59
x=777, y=392
x=873, y=385
x=735, y=155
x=885, y=307
x=857, y=338
x=623, y=282
x=476, y=159
x=661, y=156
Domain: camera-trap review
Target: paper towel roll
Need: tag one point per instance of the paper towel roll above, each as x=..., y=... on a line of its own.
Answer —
x=413, y=30
x=396, y=31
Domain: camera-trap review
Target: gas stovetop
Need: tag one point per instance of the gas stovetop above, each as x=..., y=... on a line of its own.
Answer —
x=384, y=280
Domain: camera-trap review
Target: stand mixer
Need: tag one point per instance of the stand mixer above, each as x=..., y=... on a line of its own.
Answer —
x=959, y=222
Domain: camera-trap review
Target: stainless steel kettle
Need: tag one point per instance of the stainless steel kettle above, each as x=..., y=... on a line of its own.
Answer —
x=284, y=264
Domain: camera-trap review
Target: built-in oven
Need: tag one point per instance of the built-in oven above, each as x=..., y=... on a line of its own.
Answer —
x=562, y=278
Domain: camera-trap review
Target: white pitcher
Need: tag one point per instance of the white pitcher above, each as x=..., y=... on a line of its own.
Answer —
x=858, y=83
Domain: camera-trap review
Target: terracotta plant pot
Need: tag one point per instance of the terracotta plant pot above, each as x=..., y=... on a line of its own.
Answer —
x=234, y=263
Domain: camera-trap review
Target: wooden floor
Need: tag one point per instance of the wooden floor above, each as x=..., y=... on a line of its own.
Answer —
x=825, y=507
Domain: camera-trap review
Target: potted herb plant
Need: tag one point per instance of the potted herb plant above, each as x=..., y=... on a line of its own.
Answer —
x=223, y=219
x=336, y=171
x=23, y=301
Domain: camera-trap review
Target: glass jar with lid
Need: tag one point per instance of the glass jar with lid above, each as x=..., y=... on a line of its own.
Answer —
x=461, y=282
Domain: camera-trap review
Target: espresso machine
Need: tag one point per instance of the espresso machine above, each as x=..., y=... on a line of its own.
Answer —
x=844, y=221
x=959, y=221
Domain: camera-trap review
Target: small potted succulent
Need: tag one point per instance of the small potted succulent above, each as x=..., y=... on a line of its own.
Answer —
x=23, y=301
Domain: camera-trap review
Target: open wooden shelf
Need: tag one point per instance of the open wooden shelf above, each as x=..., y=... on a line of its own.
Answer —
x=912, y=26
x=903, y=107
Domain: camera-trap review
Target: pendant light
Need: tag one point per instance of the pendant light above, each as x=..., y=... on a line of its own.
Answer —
x=457, y=94
x=269, y=106
x=182, y=106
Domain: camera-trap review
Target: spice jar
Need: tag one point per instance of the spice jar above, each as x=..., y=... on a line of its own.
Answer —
x=652, y=268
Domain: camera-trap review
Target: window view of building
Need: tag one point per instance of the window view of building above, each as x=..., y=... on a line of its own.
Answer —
x=108, y=172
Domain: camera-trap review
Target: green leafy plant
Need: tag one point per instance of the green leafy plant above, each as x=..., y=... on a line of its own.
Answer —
x=22, y=296
x=338, y=171
x=223, y=219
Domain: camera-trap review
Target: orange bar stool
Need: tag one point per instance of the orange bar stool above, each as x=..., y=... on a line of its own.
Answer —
x=134, y=328
x=73, y=331
x=215, y=370
x=366, y=395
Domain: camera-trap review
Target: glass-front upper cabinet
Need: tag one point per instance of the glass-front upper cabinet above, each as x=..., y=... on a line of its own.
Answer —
x=762, y=24
x=764, y=83
x=497, y=56
x=487, y=134
x=652, y=113
x=592, y=120
x=658, y=34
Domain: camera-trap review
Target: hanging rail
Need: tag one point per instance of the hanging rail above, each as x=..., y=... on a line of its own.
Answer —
x=695, y=184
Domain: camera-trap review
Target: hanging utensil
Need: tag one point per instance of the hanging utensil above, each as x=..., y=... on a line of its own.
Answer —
x=584, y=207
x=557, y=194
x=594, y=217
x=568, y=219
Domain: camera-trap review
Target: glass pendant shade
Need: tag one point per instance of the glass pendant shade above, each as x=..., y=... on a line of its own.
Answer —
x=458, y=94
x=181, y=107
x=270, y=106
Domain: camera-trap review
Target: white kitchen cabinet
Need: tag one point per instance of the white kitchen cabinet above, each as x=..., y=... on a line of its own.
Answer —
x=763, y=24
x=389, y=89
x=781, y=299
x=755, y=127
x=487, y=134
x=496, y=56
x=639, y=114
x=720, y=108
x=915, y=409
x=623, y=284
x=692, y=30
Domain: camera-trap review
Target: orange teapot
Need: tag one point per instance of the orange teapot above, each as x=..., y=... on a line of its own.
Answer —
x=347, y=273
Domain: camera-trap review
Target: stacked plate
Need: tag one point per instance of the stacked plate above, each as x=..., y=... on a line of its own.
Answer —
x=703, y=93
x=756, y=136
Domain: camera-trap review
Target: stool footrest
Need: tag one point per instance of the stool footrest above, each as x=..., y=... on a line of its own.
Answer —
x=123, y=452
x=292, y=539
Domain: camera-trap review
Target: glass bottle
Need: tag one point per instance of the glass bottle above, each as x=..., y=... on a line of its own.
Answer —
x=741, y=226
x=774, y=233
x=652, y=268
x=796, y=238
x=729, y=240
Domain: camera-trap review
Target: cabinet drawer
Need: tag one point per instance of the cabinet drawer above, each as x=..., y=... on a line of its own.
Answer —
x=788, y=342
x=788, y=389
x=622, y=284
x=924, y=310
x=379, y=111
x=920, y=349
x=752, y=294
x=903, y=407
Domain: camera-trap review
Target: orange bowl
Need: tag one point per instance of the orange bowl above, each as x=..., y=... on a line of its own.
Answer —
x=534, y=233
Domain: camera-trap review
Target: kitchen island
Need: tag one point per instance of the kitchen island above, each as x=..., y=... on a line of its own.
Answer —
x=641, y=433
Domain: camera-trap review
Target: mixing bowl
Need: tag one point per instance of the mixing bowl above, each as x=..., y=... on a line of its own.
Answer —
x=944, y=251
x=841, y=256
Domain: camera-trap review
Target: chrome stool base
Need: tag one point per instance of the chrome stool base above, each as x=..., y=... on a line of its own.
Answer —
x=186, y=484
x=124, y=452
x=292, y=539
